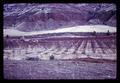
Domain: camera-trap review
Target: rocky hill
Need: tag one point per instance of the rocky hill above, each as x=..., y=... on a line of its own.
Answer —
x=39, y=17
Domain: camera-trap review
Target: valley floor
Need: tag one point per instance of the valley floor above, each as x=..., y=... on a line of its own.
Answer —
x=59, y=69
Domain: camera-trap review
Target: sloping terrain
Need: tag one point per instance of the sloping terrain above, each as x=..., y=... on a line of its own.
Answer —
x=37, y=17
x=76, y=29
x=60, y=41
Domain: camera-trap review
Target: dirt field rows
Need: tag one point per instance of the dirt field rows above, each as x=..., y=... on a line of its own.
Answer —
x=97, y=48
x=32, y=59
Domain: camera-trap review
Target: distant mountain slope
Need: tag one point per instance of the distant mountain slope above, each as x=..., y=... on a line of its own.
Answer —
x=37, y=17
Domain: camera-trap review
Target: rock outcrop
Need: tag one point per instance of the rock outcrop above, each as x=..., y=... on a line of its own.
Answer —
x=37, y=17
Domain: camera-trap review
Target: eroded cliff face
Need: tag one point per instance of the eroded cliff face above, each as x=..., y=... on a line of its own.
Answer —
x=37, y=17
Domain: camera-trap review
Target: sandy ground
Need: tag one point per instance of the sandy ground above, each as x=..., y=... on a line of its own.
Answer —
x=59, y=69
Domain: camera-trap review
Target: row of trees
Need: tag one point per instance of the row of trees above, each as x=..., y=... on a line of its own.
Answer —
x=94, y=33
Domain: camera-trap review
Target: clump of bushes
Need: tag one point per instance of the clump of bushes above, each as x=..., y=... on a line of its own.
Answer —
x=94, y=33
x=51, y=57
x=32, y=58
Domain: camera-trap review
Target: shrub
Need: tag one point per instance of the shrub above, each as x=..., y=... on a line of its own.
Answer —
x=108, y=33
x=32, y=58
x=94, y=33
x=51, y=57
